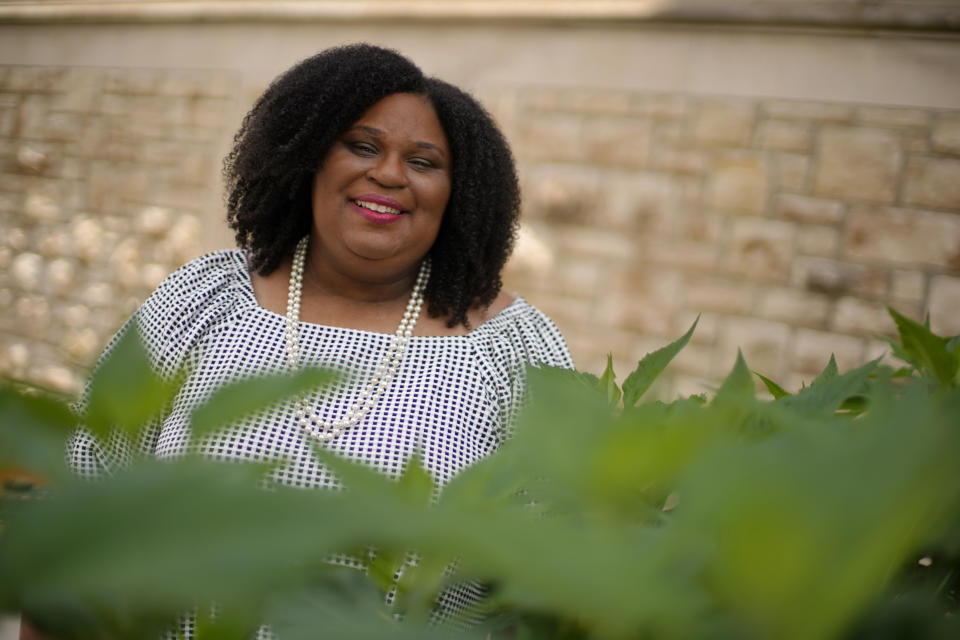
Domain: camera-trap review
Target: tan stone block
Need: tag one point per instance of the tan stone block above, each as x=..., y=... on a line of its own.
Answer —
x=175, y=196
x=812, y=351
x=707, y=326
x=610, y=244
x=638, y=315
x=858, y=163
x=643, y=202
x=795, y=109
x=214, y=84
x=933, y=182
x=794, y=307
x=893, y=116
x=33, y=115
x=763, y=343
x=784, y=135
x=64, y=127
x=899, y=237
x=662, y=105
x=724, y=122
x=206, y=112
x=9, y=100
x=792, y=172
x=697, y=223
x=8, y=120
x=808, y=210
x=945, y=305
x=134, y=81
x=682, y=161
x=149, y=108
x=80, y=91
x=562, y=193
x=816, y=240
x=917, y=142
x=600, y=101
x=570, y=311
x=695, y=359
x=907, y=286
x=946, y=134
x=853, y=315
x=718, y=294
x=683, y=254
x=761, y=249
x=29, y=79
x=738, y=184
x=835, y=278
x=617, y=141
x=110, y=185
x=550, y=137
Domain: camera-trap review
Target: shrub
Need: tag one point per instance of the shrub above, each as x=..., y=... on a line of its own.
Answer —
x=833, y=512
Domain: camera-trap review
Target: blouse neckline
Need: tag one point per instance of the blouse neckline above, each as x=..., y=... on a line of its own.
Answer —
x=246, y=285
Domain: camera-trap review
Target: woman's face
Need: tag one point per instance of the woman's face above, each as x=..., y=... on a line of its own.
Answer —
x=379, y=196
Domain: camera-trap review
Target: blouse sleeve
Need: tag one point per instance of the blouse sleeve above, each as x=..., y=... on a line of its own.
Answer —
x=168, y=323
x=523, y=337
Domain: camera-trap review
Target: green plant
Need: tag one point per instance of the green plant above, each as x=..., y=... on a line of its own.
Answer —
x=603, y=517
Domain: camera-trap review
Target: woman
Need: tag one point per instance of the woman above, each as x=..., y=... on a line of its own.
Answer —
x=374, y=209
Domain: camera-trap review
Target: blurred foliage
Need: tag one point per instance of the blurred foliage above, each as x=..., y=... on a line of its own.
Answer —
x=830, y=513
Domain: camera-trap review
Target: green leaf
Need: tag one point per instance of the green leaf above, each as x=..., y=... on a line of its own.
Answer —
x=608, y=383
x=829, y=391
x=415, y=484
x=775, y=390
x=651, y=366
x=242, y=398
x=829, y=372
x=926, y=350
x=125, y=391
x=737, y=387
x=33, y=427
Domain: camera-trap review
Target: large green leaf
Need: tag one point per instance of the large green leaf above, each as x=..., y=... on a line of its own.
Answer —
x=33, y=428
x=125, y=391
x=651, y=366
x=829, y=390
x=926, y=350
x=737, y=387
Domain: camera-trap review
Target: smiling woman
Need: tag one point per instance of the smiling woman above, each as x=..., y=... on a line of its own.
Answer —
x=374, y=208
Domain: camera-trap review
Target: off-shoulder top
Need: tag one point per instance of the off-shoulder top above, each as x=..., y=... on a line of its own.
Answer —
x=452, y=400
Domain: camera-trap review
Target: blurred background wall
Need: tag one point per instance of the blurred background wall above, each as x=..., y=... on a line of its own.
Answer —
x=783, y=169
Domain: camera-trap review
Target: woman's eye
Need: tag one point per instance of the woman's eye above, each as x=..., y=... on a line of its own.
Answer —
x=363, y=148
x=421, y=164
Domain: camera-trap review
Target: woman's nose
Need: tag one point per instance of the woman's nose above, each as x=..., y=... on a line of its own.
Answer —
x=388, y=171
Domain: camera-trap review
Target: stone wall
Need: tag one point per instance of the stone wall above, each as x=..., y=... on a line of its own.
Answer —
x=664, y=178
x=106, y=183
x=788, y=226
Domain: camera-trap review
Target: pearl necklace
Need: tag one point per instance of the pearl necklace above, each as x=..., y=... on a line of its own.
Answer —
x=385, y=370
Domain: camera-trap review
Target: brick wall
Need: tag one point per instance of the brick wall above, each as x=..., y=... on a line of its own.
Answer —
x=787, y=225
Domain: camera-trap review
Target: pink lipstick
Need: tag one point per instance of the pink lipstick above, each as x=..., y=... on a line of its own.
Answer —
x=378, y=209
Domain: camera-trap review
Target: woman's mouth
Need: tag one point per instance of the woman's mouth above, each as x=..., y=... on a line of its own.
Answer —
x=377, y=212
x=377, y=208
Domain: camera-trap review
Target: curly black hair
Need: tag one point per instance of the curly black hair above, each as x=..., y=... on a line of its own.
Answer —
x=285, y=136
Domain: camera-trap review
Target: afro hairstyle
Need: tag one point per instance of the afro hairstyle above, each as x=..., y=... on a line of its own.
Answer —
x=286, y=135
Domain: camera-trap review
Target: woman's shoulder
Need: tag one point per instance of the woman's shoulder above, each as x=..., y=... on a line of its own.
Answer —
x=191, y=299
x=520, y=332
x=225, y=264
